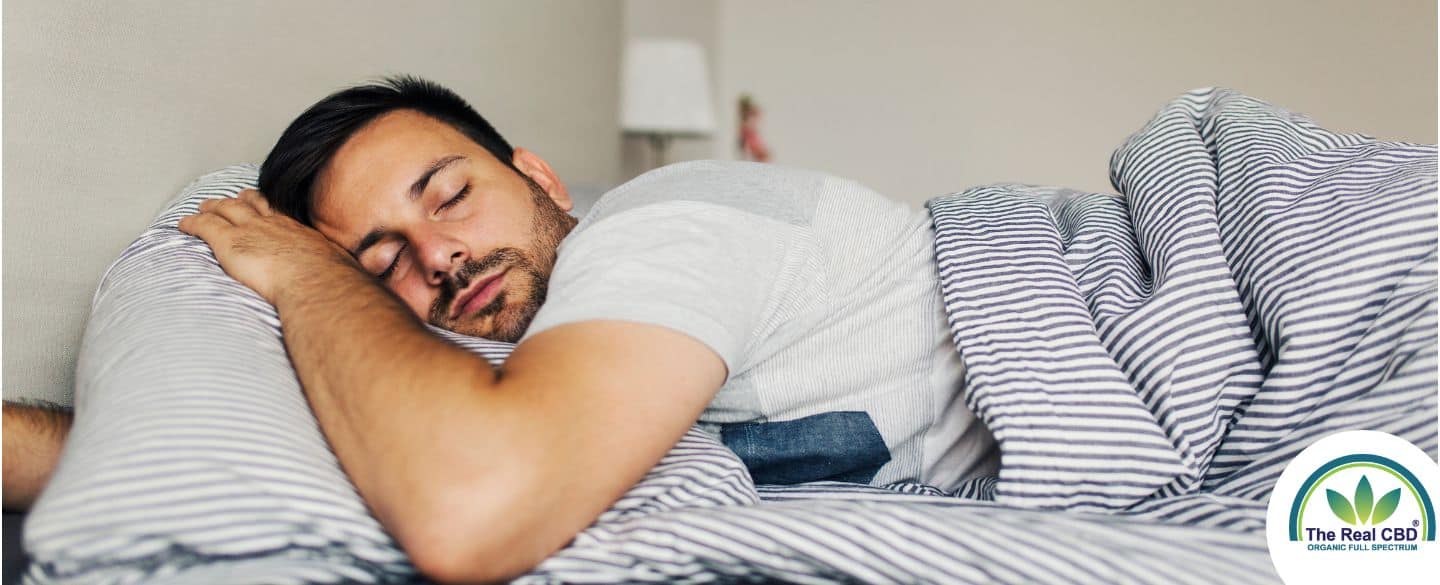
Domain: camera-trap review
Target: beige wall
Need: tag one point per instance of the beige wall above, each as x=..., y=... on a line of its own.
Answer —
x=110, y=107
x=919, y=98
x=695, y=20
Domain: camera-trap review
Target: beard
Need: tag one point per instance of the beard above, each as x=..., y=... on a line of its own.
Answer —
x=508, y=315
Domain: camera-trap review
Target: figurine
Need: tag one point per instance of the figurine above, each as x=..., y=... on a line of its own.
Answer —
x=752, y=147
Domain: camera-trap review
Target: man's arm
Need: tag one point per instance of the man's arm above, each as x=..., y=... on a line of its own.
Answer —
x=33, y=437
x=478, y=473
x=482, y=473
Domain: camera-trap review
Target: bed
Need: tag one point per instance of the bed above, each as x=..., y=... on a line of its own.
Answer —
x=1148, y=361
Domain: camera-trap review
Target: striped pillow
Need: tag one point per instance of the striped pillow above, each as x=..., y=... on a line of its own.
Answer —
x=195, y=458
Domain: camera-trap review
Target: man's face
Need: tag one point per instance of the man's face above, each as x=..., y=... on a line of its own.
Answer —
x=466, y=242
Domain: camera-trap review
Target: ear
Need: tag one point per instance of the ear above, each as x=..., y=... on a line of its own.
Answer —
x=539, y=171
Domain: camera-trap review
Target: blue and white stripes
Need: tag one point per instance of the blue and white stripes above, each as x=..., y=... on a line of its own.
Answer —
x=1148, y=362
x=1124, y=348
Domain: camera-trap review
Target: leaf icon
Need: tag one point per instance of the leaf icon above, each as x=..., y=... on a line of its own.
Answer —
x=1340, y=506
x=1364, y=499
x=1386, y=506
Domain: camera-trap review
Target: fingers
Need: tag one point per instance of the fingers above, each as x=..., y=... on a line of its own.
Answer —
x=257, y=201
x=217, y=218
x=235, y=210
x=247, y=205
x=206, y=226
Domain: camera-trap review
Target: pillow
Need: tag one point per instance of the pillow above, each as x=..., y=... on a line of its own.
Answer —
x=195, y=458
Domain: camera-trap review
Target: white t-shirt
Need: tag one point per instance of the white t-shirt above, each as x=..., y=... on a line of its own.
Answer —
x=820, y=295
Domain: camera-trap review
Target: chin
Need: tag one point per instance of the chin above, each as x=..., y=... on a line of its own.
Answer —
x=507, y=325
x=510, y=325
x=508, y=316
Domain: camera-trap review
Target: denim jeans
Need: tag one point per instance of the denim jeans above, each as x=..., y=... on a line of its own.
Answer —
x=831, y=446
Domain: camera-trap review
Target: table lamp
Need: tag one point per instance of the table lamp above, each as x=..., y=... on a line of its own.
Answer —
x=665, y=92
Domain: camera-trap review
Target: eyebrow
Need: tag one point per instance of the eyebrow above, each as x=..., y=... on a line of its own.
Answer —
x=416, y=190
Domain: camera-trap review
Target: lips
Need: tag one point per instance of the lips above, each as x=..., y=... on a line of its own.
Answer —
x=479, y=294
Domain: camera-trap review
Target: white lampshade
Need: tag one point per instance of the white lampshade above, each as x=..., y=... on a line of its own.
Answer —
x=665, y=88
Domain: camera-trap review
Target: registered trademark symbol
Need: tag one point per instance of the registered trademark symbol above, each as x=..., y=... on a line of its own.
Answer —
x=1414, y=522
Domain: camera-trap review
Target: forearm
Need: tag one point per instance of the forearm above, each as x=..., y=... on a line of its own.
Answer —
x=33, y=437
x=405, y=411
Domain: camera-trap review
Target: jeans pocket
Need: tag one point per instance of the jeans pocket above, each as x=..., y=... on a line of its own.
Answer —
x=831, y=446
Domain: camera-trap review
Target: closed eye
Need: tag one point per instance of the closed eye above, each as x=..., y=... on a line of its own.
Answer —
x=393, y=263
x=456, y=199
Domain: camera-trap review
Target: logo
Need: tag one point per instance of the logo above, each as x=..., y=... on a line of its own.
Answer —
x=1362, y=514
x=1356, y=504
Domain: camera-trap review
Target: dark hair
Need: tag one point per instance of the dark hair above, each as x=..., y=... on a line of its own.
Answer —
x=287, y=178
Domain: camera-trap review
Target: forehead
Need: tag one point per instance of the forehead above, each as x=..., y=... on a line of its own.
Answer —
x=372, y=172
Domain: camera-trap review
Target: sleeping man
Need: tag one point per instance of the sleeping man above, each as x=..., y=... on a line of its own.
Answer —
x=794, y=314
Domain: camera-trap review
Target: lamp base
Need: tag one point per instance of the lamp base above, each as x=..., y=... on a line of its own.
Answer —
x=660, y=143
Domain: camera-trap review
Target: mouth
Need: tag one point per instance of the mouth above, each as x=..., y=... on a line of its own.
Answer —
x=478, y=295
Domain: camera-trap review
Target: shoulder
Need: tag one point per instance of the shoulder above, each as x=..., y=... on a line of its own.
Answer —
x=769, y=191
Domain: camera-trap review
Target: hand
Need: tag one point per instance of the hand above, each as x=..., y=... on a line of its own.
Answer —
x=34, y=435
x=262, y=249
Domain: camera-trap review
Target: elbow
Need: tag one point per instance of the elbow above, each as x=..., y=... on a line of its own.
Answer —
x=457, y=564
x=450, y=560
x=483, y=546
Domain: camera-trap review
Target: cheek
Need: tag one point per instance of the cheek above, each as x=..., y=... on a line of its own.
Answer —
x=504, y=222
x=416, y=295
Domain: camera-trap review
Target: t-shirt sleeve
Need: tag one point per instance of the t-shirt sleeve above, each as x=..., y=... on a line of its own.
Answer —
x=707, y=270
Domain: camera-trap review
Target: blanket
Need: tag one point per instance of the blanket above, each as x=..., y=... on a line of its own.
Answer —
x=1149, y=361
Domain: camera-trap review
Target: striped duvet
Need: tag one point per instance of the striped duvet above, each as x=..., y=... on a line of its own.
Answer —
x=1148, y=362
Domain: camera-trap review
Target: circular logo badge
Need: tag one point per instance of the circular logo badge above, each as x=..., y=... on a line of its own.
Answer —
x=1355, y=506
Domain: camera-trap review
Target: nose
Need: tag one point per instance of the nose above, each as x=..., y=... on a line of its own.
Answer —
x=439, y=257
